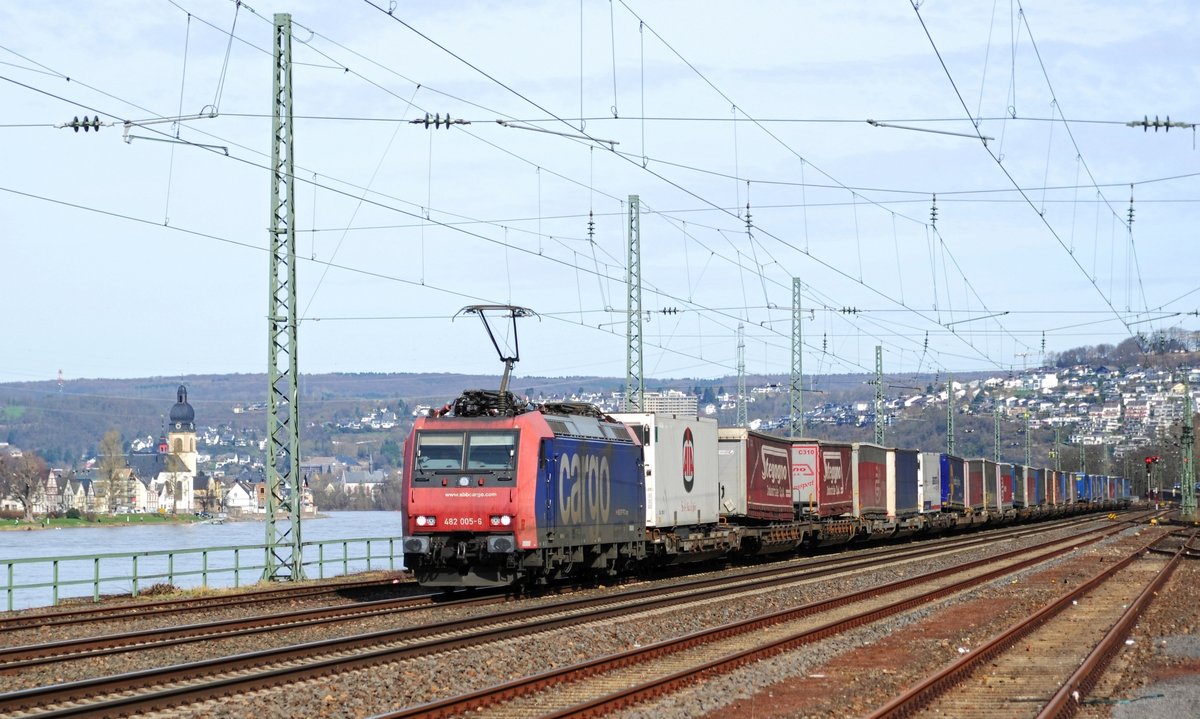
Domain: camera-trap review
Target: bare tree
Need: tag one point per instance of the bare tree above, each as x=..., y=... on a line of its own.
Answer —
x=112, y=461
x=214, y=499
x=23, y=480
x=174, y=486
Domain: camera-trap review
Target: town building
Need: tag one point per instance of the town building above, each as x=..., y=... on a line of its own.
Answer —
x=165, y=480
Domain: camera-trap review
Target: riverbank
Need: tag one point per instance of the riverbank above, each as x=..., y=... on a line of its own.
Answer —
x=100, y=520
x=133, y=520
x=187, y=553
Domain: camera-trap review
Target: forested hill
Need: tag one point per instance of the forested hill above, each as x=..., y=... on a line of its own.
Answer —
x=66, y=421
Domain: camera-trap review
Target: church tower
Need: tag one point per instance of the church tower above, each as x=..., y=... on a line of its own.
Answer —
x=181, y=431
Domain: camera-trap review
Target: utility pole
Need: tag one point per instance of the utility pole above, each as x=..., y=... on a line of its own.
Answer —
x=879, y=394
x=796, y=391
x=996, y=440
x=1058, y=449
x=1024, y=362
x=949, y=414
x=1187, y=438
x=742, y=421
x=283, y=560
x=635, y=390
x=1028, y=442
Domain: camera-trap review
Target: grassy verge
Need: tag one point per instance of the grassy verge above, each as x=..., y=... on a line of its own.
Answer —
x=98, y=520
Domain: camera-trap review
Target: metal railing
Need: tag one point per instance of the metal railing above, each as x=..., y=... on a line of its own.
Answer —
x=133, y=573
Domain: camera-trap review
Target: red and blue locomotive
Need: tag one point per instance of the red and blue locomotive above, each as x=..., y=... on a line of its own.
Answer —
x=501, y=492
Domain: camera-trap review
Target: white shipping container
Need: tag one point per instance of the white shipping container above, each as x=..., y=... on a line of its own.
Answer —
x=929, y=486
x=731, y=470
x=680, y=455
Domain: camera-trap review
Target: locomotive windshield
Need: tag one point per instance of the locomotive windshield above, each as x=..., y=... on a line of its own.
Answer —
x=458, y=450
x=491, y=451
x=441, y=450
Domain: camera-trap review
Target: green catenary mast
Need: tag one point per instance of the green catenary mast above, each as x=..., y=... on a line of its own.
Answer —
x=1187, y=440
x=635, y=390
x=283, y=561
x=796, y=391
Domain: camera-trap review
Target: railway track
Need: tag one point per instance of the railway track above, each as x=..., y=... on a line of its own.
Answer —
x=611, y=683
x=43, y=652
x=157, y=689
x=180, y=685
x=80, y=619
x=1045, y=664
x=11, y=622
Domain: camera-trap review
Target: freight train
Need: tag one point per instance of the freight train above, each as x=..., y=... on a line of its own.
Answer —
x=502, y=492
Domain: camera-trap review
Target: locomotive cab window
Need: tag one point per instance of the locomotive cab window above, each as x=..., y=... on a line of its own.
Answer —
x=457, y=451
x=491, y=451
x=440, y=450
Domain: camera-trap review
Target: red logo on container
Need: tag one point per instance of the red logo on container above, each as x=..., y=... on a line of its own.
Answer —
x=689, y=460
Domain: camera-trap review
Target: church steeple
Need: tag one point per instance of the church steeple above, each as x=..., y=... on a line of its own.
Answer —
x=181, y=429
x=183, y=417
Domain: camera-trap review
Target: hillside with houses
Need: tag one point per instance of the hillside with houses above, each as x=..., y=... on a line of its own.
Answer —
x=206, y=452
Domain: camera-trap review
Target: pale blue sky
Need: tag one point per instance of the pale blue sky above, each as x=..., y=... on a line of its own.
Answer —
x=148, y=257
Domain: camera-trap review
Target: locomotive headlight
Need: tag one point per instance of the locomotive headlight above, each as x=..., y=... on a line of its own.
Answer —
x=505, y=520
x=495, y=520
x=426, y=521
x=464, y=481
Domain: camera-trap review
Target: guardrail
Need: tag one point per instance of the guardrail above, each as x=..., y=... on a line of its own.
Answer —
x=133, y=573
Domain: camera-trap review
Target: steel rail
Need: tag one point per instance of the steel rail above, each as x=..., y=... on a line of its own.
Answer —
x=924, y=692
x=18, y=657
x=37, y=618
x=177, y=685
x=1066, y=701
x=632, y=695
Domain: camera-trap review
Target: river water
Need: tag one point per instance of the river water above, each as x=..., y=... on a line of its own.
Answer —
x=134, y=537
